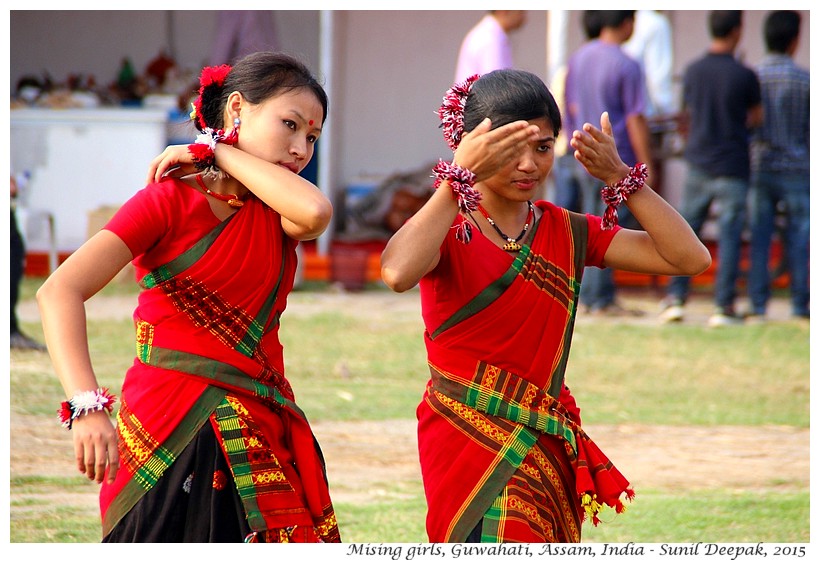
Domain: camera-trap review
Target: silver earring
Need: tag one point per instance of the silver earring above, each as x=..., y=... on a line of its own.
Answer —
x=236, y=122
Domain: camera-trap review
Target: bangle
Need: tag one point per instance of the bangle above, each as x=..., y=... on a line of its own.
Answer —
x=461, y=182
x=202, y=149
x=615, y=194
x=85, y=402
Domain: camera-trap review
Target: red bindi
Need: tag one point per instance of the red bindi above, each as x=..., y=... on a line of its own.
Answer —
x=310, y=122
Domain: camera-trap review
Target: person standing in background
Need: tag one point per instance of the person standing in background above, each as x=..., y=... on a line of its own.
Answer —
x=486, y=46
x=651, y=45
x=17, y=340
x=567, y=190
x=242, y=32
x=721, y=105
x=780, y=166
x=602, y=78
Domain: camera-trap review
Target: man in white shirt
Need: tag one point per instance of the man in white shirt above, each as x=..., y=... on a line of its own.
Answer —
x=486, y=47
x=651, y=45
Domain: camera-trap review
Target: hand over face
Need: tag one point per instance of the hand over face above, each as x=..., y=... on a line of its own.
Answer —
x=484, y=151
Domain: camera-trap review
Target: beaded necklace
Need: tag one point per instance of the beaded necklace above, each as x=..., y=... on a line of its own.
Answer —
x=512, y=243
x=230, y=199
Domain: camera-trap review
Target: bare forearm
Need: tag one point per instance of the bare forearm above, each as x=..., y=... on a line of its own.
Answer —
x=680, y=250
x=64, y=326
x=305, y=210
x=61, y=300
x=667, y=245
x=414, y=249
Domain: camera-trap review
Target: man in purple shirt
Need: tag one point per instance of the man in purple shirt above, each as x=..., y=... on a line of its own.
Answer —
x=601, y=77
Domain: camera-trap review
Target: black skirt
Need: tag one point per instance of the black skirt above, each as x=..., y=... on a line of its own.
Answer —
x=195, y=500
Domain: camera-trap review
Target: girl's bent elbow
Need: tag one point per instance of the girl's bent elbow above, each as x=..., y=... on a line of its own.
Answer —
x=394, y=281
x=45, y=293
x=311, y=224
x=701, y=263
x=321, y=215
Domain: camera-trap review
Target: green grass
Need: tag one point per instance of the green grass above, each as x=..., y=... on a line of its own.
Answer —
x=691, y=375
x=391, y=521
x=708, y=516
x=345, y=368
x=55, y=525
x=352, y=367
x=37, y=516
x=655, y=517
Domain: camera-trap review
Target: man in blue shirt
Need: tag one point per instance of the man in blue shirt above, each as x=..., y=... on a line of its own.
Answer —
x=780, y=166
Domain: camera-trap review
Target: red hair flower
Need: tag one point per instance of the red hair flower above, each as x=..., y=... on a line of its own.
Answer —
x=211, y=76
x=214, y=75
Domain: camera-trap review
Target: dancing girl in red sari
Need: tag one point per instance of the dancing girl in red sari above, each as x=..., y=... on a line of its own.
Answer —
x=503, y=455
x=209, y=445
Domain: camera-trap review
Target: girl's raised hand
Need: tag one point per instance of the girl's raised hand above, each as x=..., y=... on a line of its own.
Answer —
x=484, y=151
x=595, y=149
x=175, y=160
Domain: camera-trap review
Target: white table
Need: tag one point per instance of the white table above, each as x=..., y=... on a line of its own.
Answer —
x=80, y=160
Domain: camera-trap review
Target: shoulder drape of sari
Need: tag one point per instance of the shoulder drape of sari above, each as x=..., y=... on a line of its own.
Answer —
x=497, y=415
x=208, y=353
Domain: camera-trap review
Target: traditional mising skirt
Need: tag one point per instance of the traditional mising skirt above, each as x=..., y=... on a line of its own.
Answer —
x=195, y=500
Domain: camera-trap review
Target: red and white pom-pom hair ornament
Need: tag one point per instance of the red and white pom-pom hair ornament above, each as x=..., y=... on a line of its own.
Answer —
x=451, y=111
x=211, y=76
x=202, y=149
x=461, y=180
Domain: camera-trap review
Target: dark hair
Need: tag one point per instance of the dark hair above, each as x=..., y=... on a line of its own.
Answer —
x=509, y=95
x=258, y=77
x=723, y=22
x=613, y=18
x=781, y=28
x=591, y=22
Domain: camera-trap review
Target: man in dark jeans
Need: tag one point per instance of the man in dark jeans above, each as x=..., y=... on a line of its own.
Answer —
x=17, y=340
x=781, y=167
x=722, y=104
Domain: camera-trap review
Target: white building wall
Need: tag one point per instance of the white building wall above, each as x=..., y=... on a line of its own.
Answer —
x=391, y=67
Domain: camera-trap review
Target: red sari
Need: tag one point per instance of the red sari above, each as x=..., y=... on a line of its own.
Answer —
x=500, y=438
x=208, y=353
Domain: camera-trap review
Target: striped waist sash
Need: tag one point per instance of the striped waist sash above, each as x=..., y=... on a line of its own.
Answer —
x=503, y=394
